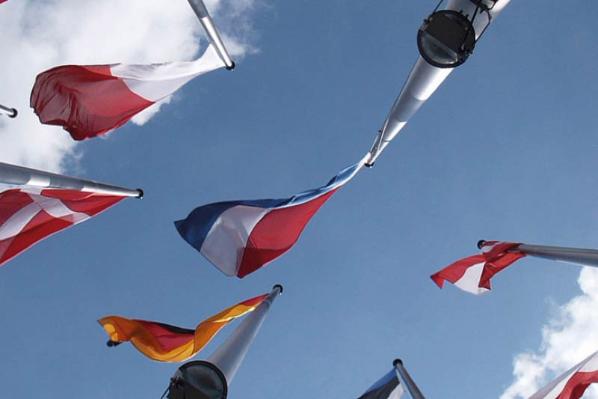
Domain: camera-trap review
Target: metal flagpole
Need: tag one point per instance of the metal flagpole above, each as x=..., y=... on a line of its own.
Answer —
x=19, y=175
x=229, y=356
x=406, y=380
x=208, y=24
x=10, y=112
x=580, y=256
x=210, y=379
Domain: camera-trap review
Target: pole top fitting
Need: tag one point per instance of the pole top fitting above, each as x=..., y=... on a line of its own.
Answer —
x=279, y=286
x=141, y=193
x=396, y=362
x=231, y=66
x=481, y=244
x=14, y=113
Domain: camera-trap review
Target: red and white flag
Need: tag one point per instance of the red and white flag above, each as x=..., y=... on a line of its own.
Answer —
x=473, y=274
x=573, y=383
x=28, y=215
x=88, y=101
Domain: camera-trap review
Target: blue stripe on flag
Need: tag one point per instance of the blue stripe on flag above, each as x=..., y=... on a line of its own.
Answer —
x=195, y=228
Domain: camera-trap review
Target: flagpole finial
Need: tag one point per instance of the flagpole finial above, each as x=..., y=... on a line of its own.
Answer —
x=231, y=66
x=481, y=244
x=141, y=193
x=14, y=113
x=396, y=362
x=280, y=288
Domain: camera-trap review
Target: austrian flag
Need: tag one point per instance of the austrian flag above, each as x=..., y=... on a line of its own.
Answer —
x=473, y=274
x=28, y=215
x=239, y=237
x=573, y=383
x=91, y=100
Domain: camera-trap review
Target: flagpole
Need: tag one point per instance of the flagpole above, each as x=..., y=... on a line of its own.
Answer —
x=19, y=175
x=580, y=256
x=10, y=112
x=406, y=380
x=208, y=24
x=230, y=354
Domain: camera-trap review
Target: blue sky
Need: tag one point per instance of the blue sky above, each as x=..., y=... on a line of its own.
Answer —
x=506, y=149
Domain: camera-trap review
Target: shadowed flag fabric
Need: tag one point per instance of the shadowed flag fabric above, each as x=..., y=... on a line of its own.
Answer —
x=473, y=274
x=573, y=383
x=92, y=100
x=388, y=387
x=28, y=215
x=167, y=343
x=239, y=237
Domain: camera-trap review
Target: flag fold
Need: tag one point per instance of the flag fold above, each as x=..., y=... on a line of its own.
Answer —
x=167, y=343
x=473, y=274
x=573, y=383
x=91, y=100
x=239, y=237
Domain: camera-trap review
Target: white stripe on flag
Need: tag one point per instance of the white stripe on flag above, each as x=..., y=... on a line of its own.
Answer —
x=226, y=241
x=17, y=222
x=156, y=81
x=471, y=279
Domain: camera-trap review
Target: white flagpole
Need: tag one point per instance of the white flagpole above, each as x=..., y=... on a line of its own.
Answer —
x=208, y=24
x=230, y=354
x=10, y=112
x=19, y=175
x=406, y=380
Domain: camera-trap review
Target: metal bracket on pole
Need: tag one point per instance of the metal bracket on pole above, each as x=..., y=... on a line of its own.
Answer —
x=10, y=112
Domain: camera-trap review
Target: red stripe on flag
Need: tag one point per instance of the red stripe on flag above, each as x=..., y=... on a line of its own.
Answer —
x=167, y=337
x=41, y=226
x=577, y=384
x=84, y=202
x=86, y=100
x=276, y=233
x=11, y=202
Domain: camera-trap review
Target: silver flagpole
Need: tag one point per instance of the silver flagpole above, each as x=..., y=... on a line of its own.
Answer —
x=10, y=112
x=406, y=380
x=211, y=379
x=208, y=24
x=229, y=356
x=580, y=256
x=440, y=54
x=19, y=175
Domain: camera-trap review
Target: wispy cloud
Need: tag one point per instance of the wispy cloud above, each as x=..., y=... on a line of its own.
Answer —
x=37, y=35
x=568, y=337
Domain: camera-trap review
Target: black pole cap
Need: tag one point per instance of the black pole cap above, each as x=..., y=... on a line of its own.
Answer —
x=231, y=67
x=141, y=193
x=279, y=286
x=112, y=343
x=481, y=244
x=14, y=113
x=396, y=362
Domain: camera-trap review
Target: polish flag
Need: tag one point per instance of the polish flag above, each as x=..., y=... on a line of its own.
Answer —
x=88, y=101
x=30, y=215
x=239, y=237
x=573, y=383
x=473, y=274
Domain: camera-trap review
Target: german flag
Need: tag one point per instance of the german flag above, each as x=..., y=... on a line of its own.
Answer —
x=167, y=343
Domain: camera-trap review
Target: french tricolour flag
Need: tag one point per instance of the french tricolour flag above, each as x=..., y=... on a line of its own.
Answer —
x=239, y=237
x=92, y=100
x=473, y=274
x=573, y=383
x=28, y=215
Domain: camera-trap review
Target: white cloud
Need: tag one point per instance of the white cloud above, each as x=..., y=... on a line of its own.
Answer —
x=37, y=35
x=568, y=337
